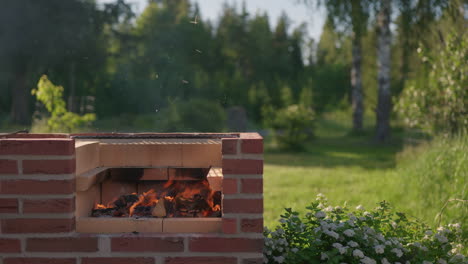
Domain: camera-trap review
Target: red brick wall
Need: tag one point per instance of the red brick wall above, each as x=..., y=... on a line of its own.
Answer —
x=37, y=203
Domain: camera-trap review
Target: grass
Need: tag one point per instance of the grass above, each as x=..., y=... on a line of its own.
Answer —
x=355, y=170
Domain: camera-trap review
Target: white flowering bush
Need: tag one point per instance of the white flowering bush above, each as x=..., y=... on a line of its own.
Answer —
x=338, y=235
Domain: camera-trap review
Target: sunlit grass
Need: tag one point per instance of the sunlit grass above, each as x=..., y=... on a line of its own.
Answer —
x=353, y=169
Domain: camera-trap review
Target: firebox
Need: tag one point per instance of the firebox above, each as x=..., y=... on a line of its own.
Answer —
x=131, y=198
x=135, y=184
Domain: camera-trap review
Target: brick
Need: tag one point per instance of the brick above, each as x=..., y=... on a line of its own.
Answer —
x=136, y=260
x=252, y=146
x=39, y=261
x=214, y=244
x=62, y=244
x=252, y=225
x=229, y=186
x=8, y=167
x=192, y=225
x=243, y=206
x=38, y=225
x=36, y=146
x=10, y=245
x=37, y=135
x=8, y=206
x=48, y=166
x=147, y=244
x=49, y=206
x=201, y=155
x=229, y=146
x=34, y=187
x=252, y=261
x=242, y=166
x=201, y=260
x=252, y=185
x=230, y=226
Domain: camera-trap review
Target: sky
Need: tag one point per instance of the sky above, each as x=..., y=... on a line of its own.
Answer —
x=297, y=13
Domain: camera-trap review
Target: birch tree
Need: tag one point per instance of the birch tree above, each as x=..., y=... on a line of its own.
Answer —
x=384, y=70
x=352, y=15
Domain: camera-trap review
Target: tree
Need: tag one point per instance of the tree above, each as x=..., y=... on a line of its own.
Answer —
x=59, y=118
x=384, y=71
x=354, y=14
x=55, y=37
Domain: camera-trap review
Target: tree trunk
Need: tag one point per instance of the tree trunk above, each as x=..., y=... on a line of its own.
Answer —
x=356, y=84
x=383, y=63
x=20, y=100
x=72, y=107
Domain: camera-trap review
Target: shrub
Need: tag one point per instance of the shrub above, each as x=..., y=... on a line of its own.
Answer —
x=293, y=125
x=439, y=100
x=329, y=234
x=59, y=118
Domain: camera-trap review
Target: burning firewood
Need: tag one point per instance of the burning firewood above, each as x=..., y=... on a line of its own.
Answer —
x=160, y=209
x=126, y=201
x=177, y=199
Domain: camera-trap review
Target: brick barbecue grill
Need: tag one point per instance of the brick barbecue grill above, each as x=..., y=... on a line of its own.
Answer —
x=56, y=192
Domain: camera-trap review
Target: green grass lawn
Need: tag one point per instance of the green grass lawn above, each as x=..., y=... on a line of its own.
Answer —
x=350, y=169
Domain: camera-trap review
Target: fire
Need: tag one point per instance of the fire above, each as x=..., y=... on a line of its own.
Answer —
x=148, y=198
x=178, y=198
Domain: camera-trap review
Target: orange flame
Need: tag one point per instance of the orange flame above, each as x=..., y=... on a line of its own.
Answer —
x=148, y=198
x=197, y=192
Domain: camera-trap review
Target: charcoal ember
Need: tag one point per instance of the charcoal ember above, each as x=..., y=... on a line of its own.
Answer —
x=125, y=201
x=215, y=214
x=107, y=212
x=143, y=211
x=217, y=198
x=169, y=204
x=192, y=205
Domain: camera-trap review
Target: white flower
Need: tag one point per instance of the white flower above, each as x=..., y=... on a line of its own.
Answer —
x=328, y=209
x=457, y=258
x=294, y=250
x=353, y=244
x=441, y=238
x=380, y=237
x=343, y=250
x=360, y=207
x=358, y=253
x=379, y=249
x=282, y=220
x=394, y=225
x=350, y=222
x=323, y=256
x=321, y=196
x=385, y=261
x=332, y=234
x=367, y=260
x=349, y=232
x=456, y=225
x=428, y=232
x=337, y=245
x=279, y=259
x=397, y=252
x=265, y=259
x=442, y=261
x=320, y=214
x=338, y=208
